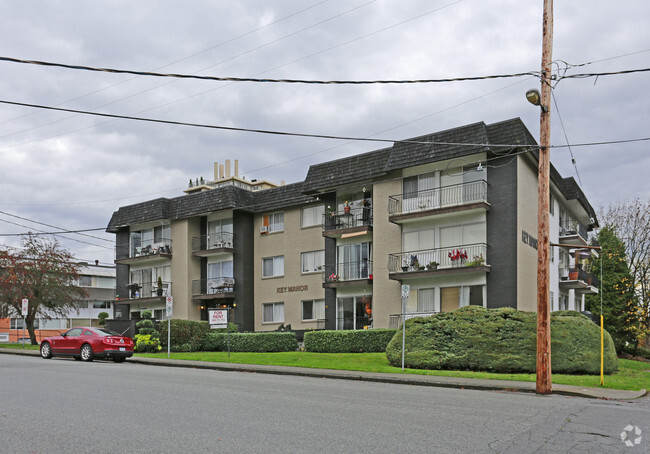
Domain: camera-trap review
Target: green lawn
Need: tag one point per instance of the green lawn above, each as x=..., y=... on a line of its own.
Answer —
x=632, y=375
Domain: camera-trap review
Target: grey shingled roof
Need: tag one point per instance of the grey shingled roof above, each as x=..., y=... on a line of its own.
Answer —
x=361, y=167
x=227, y=197
x=406, y=154
x=281, y=197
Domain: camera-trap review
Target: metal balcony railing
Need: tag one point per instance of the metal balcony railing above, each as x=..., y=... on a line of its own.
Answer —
x=349, y=271
x=354, y=217
x=145, y=248
x=583, y=276
x=447, y=196
x=213, y=241
x=572, y=228
x=214, y=286
x=139, y=290
x=466, y=255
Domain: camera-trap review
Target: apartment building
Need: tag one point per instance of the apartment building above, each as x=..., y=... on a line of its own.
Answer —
x=452, y=214
x=99, y=283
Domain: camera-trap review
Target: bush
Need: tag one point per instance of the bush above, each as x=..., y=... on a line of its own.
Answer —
x=145, y=343
x=353, y=341
x=500, y=340
x=187, y=333
x=102, y=316
x=251, y=342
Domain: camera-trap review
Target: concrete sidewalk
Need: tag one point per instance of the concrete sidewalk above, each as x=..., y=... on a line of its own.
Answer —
x=405, y=379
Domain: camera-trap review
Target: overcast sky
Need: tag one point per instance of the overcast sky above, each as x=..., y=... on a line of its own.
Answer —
x=72, y=170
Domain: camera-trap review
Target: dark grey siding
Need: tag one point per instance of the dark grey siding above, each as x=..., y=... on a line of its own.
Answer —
x=243, y=262
x=502, y=233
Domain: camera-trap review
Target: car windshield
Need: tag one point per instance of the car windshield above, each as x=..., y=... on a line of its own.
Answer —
x=106, y=332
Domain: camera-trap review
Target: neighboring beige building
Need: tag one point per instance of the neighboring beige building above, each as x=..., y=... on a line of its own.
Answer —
x=453, y=215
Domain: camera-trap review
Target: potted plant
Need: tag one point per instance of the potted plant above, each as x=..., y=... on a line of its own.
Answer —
x=432, y=266
x=405, y=266
x=159, y=291
x=346, y=207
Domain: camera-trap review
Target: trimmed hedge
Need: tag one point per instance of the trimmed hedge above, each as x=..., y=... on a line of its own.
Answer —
x=352, y=341
x=251, y=342
x=500, y=340
x=186, y=335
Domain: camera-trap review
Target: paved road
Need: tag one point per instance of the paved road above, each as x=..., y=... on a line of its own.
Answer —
x=63, y=405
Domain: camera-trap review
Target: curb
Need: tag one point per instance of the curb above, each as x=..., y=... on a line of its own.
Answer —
x=404, y=379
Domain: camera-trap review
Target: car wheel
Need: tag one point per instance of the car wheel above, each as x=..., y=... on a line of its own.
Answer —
x=86, y=352
x=46, y=350
x=119, y=359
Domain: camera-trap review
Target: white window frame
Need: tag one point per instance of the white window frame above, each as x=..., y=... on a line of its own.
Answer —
x=312, y=216
x=314, y=258
x=277, y=312
x=317, y=310
x=277, y=266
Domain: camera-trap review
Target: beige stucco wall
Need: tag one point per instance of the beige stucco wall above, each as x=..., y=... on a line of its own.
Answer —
x=386, y=239
x=294, y=287
x=185, y=268
x=526, y=221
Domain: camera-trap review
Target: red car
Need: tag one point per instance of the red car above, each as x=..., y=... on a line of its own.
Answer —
x=87, y=344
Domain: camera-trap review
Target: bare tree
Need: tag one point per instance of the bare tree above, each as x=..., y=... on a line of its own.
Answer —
x=630, y=221
x=46, y=275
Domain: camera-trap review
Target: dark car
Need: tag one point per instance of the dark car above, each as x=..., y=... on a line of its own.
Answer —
x=87, y=344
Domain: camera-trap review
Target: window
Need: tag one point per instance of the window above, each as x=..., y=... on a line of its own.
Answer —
x=85, y=281
x=147, y=238
x=220, y=233
x=273, y=313
x=312, y=261
x=418, y=192
x=273, y=222
x=313, y=310
x=551, y=204
x=101, y=304
x=354, y=312
x=273, y=266
x=312, y=215
x=426, y=300
x=353, y=261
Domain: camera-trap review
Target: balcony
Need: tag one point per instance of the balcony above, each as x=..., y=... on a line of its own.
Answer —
x=354, y=323
x=442, y=261
x=214, y=287
x=348, y=274
x=143, y=292
x=395, y=320
x=213, y=243
x=352, y=221
x=148, y=249
x=573, y=233
x=431, y=202
x=581, y=281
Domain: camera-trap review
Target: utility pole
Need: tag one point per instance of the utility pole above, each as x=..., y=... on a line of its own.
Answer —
x=543, y=383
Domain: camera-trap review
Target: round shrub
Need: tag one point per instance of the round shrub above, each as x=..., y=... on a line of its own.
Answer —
x=500, y=340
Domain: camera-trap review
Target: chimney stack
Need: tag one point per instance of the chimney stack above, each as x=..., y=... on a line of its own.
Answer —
x=221, y=172
x=216, y=171
x=237, y=168
x=227, y=168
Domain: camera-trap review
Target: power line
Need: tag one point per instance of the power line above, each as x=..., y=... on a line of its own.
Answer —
x=39, y=232
x=297, y=134
x=55, y=233
x=56, y=227
x=268, y=80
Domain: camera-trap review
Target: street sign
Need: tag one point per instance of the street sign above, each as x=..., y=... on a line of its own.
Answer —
x=406, y=289
x=169, y=306
x=25, y=307
x=218, y=318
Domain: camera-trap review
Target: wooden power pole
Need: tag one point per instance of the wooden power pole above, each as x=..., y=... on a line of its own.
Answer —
x=543, y=383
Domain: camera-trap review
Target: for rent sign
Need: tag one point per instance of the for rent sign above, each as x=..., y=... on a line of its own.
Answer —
x=218, y=318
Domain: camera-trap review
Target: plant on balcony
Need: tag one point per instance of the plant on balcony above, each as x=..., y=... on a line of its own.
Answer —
x=159, y=290
x=333, y=277
x=457, y=256
x=432, y=266
x=477, y=261
x=405, y=266
x=347, y=206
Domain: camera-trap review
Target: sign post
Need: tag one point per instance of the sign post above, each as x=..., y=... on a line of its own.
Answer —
x=219, y=319
x=169, y=309
x=406, y=290
x=24, y=311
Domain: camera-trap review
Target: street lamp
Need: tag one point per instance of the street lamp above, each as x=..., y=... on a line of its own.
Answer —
x=535, y=98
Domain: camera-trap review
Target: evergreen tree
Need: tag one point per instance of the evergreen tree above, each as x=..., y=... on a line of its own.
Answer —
x=619, y=306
